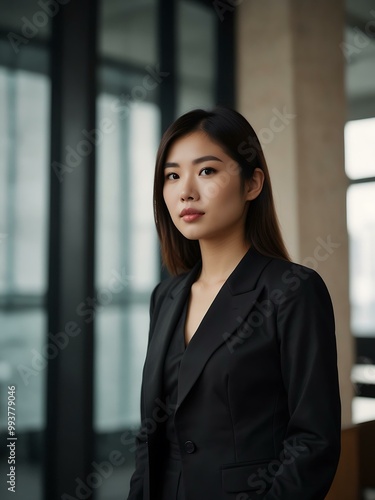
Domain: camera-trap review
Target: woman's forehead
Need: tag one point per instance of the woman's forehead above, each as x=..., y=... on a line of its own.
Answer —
x=193, y=146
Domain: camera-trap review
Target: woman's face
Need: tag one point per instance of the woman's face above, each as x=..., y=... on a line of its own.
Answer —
x=203, y=189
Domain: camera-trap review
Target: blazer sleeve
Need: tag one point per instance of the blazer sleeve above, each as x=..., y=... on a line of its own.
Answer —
x=141, y=451
x=311, y=449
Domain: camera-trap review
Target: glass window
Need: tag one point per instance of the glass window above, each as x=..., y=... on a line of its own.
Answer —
x=127, y=261
x=360, y=148
x=127, y=255
x=24, y=159
x=196, y=56
x=128, y=31
x=361, y=226
x=360, y=164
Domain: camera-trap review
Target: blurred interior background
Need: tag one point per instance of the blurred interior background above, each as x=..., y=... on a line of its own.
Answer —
x=86, y=90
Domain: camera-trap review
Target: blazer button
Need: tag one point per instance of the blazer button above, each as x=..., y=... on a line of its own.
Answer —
x=189, y=447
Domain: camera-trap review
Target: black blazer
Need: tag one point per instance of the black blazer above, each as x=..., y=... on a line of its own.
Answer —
x=258, y=413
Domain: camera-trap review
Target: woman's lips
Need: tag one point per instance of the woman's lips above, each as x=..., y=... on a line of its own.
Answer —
x=191, y=217
x=190, y=214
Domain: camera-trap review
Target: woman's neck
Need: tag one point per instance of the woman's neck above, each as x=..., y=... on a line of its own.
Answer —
x=220, y=258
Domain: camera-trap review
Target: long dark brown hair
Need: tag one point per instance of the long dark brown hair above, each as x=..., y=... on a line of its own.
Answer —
x=235, y=135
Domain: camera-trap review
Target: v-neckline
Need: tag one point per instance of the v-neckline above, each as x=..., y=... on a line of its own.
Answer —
x=186, y=308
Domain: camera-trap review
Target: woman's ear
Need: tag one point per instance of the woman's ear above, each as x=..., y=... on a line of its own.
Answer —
x=254, y=185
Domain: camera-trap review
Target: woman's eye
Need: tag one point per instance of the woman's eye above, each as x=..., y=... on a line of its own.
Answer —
x=172, y=176
x=207, y=171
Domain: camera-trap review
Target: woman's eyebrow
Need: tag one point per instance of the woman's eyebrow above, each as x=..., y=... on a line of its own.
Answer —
x=195, y=162
x=206, y=158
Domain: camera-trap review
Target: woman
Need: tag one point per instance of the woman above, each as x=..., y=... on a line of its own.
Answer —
x=240, y=396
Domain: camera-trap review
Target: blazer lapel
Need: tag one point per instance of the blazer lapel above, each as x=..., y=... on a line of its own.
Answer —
x=167, y=319
x=226, y=314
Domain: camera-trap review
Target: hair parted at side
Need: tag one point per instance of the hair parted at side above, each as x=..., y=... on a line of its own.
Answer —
x=235, y=135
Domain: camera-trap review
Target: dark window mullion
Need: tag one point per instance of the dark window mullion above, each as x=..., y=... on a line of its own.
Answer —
x=69, y=447
x=362, y=180
x=167, y=57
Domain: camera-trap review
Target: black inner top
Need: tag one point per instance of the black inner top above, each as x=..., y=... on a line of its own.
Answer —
x=172, y=362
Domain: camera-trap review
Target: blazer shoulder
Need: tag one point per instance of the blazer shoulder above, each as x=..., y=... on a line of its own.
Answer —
x=292, y=277
x=164, y=288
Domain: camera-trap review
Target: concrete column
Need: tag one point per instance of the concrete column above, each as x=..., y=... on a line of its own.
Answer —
x=290, y=86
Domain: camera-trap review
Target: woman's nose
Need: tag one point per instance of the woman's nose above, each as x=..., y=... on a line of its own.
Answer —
x=189, y=190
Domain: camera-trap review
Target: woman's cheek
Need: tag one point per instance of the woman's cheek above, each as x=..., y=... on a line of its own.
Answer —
x=212, y=190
